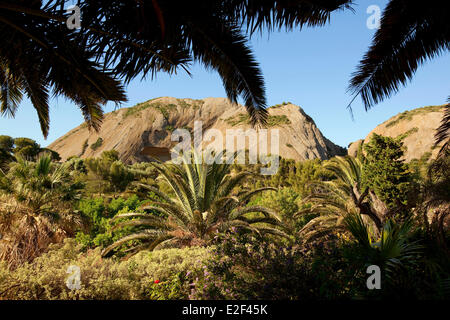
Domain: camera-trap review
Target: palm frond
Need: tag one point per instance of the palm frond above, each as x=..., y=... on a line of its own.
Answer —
x=409, y=35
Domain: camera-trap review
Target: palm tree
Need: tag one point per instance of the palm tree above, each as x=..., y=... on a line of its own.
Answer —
x=434, y=201
x=391, y=250
x=134, y=37
x=410, y=33
x=168, y=35
x=33, y=210
x=36, y=185
x=40, y=56
x=335, y=199
x=203, y=205
x=443, y=133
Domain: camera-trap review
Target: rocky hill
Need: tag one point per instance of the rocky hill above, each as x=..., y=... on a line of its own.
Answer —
x=148, y=126
x=416, y=128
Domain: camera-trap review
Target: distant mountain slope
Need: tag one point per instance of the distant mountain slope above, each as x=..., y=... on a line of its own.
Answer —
x=416, y=128
x=149, y=125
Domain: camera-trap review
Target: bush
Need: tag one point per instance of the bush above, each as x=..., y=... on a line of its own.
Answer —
x=385, y=172
x=162, y=274
x=243, y=267
x=107, y=173
x=97, y=144
x=98, y=212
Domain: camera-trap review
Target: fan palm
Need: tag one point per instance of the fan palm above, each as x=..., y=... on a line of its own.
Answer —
x=35, y=185
x=334, y=199
x=203, y=205
x=33, y=210
x=391, y=250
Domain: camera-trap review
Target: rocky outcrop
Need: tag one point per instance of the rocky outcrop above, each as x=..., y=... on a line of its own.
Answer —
x=416, y=128
x=149, y=126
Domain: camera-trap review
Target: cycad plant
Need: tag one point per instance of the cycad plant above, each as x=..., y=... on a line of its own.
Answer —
x=202, y=206
x=336, y=198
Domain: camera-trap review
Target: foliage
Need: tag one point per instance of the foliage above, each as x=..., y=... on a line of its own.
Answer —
x=97, y=144
x=38, y=185
x=243, y=118
x=409, y=114
x=286, y=202
x=385, y=172
x=392, y=250
x=108, y=173
x=333, y=200
x=26, y=148
x=35, y=208
x=297, y=175
x=203, y=206
x=244, y=267
x=442, y=134
x=408, y=36
x=163, y=274
x=43, y=64
x=98, y=212
x=284, y=103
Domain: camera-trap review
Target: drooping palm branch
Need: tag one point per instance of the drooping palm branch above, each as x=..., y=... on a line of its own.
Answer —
x=40, y=56
x=443, y=133
x=410, y=34
x=204, y=204
x=131, y=38
x=335, y=199
x=208, y=32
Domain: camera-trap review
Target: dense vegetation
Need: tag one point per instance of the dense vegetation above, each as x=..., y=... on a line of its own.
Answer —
x=222, y=231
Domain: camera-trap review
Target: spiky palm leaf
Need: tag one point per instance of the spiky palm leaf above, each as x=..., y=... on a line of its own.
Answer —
x=142, y=38
x=392, y=250
x=35, y=185
x=202, y=206
x=335, y=199
x=443, y=132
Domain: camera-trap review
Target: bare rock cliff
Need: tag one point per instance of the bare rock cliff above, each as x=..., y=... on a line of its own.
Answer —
x=149, y=126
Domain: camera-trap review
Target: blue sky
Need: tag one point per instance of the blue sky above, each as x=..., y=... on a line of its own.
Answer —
x=310, y=68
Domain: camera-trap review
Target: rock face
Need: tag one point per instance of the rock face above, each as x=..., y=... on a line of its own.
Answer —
x=416, y=128
x=149, y=126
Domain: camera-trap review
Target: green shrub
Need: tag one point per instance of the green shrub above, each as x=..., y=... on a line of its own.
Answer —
x=385, y=172
x=243, y=267
x=163, y=274
x=97, y=144
x=99, y=213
